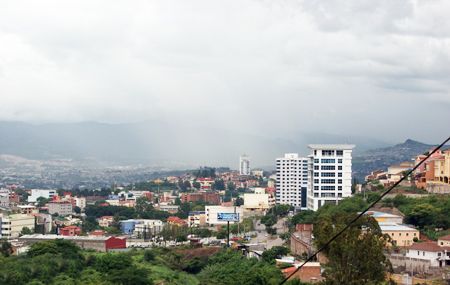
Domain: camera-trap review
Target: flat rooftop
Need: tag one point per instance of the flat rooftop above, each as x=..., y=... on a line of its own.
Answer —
x=377, y=214
x=331, y=146
x=395, y=227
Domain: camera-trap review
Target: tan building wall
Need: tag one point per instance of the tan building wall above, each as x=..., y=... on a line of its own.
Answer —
x=403, y=238
x=443, y=242
x=12, y=225
x=442, y=168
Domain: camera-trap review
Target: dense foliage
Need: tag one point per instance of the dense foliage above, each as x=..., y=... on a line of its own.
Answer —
x=230, y=268
x=62, y=262
x=427, y=213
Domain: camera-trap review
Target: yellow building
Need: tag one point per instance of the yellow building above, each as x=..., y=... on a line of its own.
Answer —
x=444, y=241
x=401, y=235
x=442, y=168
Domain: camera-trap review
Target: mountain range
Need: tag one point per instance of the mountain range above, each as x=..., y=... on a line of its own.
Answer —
x=177, y=146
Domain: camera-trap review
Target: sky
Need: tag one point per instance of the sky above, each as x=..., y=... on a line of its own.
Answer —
x=373, y=68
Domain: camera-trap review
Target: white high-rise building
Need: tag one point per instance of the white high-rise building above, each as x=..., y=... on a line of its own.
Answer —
x=330, y=174
x=292, y=180
x=244, y=165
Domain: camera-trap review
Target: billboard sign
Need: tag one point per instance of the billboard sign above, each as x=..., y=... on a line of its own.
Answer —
x=228, y=217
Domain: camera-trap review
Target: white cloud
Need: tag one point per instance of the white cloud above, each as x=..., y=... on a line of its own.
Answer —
x=250, y=65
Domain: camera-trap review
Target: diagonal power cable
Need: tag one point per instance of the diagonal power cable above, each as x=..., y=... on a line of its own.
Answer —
x=364, y=212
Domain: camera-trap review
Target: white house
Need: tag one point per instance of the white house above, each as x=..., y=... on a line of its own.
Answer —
x=438, y=256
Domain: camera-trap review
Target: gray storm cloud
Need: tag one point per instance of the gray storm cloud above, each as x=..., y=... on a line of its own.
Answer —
x=262, y=67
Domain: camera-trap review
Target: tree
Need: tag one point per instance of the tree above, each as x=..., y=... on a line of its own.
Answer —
x=231, y=186
x=219, y=185
x=5, y=248
x=239, y=202
x=304, y=217
x=149, y=255
x=230, y=268
x=274, y=253
x=41, y=201
x=58, y=246
x=196, y=185
x=356, y=257
x=422, y=215
x=25, y=231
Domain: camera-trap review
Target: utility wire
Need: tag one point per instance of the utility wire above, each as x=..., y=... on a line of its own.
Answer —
x=365, y=211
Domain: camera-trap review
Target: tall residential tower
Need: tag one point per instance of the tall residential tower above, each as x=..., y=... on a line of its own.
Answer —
x=292, y=180
x=330, y=174
x=244, y=165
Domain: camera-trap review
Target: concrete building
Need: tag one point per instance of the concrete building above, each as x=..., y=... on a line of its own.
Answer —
x=80, y=202
x=212, y=211
x=244, y=165
x=105, y=221
x=62, y=208
x=12, y=225
x=70, y=231
x=27, y=209
x=401, y=235
x=258, y=172
x=172, y=209
x=176, y=221
x=207, y=197
x=196, y=219
x=311, y=272
x=329, y=174
x=4, y=198
x=382, y=217
x=292, y=180
x=442, y=168
x=437, y=256
x=141, y=227
x=302, y=240
x=36, y=193
x=258, y=201
x=444, y=241
x=395, y=172
x=97, y=243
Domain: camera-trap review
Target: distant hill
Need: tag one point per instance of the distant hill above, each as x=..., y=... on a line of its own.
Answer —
x=381, y=158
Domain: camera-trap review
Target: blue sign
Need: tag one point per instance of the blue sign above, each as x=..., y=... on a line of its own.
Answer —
x=228, y=217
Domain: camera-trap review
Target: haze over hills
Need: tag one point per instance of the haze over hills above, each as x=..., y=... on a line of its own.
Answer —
x=156, y=144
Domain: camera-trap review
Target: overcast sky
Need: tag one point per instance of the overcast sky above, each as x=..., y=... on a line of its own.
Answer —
x=376, y=68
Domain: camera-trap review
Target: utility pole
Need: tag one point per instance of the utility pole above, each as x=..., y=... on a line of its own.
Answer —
x=228, y=233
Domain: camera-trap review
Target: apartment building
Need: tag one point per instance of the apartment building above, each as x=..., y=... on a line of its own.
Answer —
x=292, y=180
x=259, y=200
x=244, y=165
x=207, y=197
x=36, y=193
x=12, y=225
x=62, y=208
x=329, y=174
x=401, y=235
